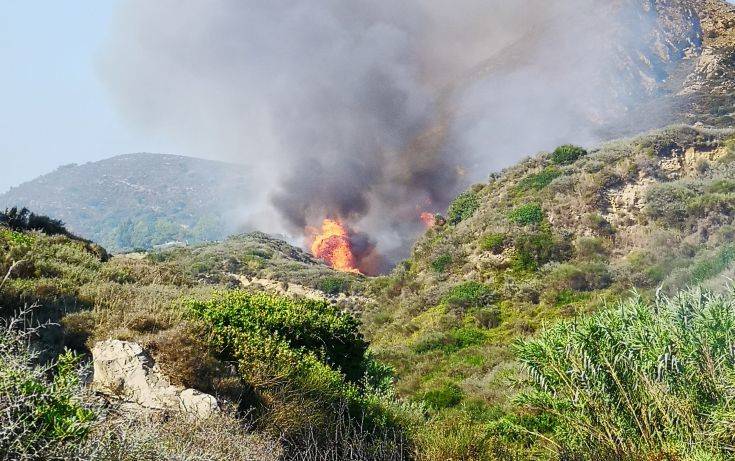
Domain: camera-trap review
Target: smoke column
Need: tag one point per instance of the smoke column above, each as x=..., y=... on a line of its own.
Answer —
x=371, y=110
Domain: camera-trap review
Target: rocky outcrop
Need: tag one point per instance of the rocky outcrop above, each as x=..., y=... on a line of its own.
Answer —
x=124, y=371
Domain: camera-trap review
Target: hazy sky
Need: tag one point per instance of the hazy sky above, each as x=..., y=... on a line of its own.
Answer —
x=54, y=108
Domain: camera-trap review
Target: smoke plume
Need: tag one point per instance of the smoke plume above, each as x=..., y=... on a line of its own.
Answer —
x=373, y=111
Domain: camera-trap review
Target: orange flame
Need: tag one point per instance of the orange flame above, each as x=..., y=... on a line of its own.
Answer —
x=332, y=244
x=428, y=219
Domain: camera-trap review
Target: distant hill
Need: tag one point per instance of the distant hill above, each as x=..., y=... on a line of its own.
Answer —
x=138, y=200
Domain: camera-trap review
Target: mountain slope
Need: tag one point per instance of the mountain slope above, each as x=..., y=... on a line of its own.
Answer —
x=138, y=200
x=558, y=235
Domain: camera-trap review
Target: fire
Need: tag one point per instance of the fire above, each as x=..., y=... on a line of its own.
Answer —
x=428, y=219
x=332, y=244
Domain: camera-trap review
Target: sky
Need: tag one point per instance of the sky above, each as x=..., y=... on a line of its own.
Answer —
x=55, y=109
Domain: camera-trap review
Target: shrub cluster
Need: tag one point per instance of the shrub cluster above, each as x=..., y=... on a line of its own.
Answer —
x=643, y=380
x=304, y=360
x=470, y=294
x=23, y=219
x=494, y=243
x=463, y=207
x=540, y=180
x=441, y=263
x=41, y=411
x=524, y=215
x=533, y=250
x=567, y=154
x=334, y=285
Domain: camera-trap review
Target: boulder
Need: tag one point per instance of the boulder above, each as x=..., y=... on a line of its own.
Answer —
x=124, y=370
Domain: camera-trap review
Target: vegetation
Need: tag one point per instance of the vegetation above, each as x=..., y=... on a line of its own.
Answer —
x=530, y=213
x=561, y=251
x=463, y=352
x=463, y=207
x=42, y=411
x=20, y=220
x=494, y=242
x=441, y=262
x=641, y=380
x=470, y=294
x=134, y=209
x=539, y=180
x=567, y=154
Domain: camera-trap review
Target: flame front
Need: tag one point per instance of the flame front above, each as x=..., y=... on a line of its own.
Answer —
x=428, y=219
x=332, y=244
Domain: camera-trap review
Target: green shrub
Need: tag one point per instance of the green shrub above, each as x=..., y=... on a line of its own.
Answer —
x=722, y=186
x=668, y=203
x=446, y=396
x=705, y=204
x=534, y=250
x=441, y=262
x=334, y=285
x=470, y=294
x=450, y=341
x=289, y=327
x=524, y=215
x=580, y=277
x=41, y=407
x=712, y=266
x=640, y=380
x=486, y=317
x=540, y=180
x=599, y=225
x=463, y=207
x=591, y=248
x=567, y=154
x=494, y=243
x=307, y=364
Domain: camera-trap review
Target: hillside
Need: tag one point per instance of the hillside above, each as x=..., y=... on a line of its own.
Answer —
x=435, y=365
x=559, y=235
x=139, y=200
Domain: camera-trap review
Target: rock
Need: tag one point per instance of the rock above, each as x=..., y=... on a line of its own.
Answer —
x=197, y=403
x=123, y=370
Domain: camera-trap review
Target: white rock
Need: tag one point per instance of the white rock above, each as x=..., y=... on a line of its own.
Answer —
x=122, y=369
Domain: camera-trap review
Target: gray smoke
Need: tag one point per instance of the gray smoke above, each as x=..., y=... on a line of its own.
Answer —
x=370, y=110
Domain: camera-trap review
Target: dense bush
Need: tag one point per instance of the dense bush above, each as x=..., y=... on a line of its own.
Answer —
x=334, y=285
x=567, y=154
x=534, y=250
x=444, y=396
x=524, y=215
x=668, y=203
x=441, y=262
x=643, y=380
x=294, y=328
x=41, y=409
x=305, y=361
x=494, y=243
x=710, y=267
x=539, y=180
x=463, y=207
x=23, y=219
x=470, y=294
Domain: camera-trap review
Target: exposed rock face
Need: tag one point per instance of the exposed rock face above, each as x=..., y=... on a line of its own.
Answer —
x=123, y=370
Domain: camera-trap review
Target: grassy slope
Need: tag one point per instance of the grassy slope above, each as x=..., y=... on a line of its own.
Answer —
x=632, y=214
